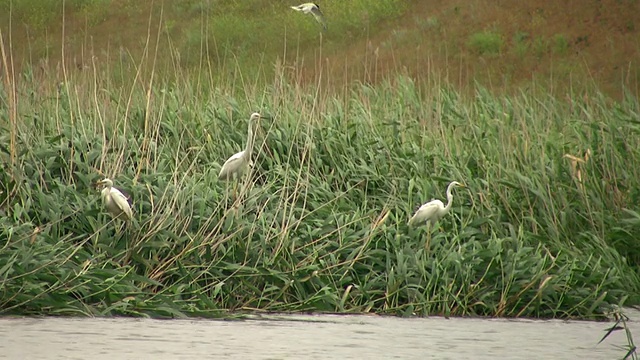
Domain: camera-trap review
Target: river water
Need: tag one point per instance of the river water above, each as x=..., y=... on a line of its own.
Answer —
x=309, y=337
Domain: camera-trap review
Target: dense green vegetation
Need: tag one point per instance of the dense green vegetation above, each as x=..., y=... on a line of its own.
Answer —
x=321, y=222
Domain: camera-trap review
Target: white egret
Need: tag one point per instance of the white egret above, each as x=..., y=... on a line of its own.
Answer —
x=313, y=9
x=115, y=201
x=239, y=162
x=433, y=211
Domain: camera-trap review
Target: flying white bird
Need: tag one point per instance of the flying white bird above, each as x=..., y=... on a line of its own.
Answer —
x=115, y=201
x=313, y=9
x=238, y=164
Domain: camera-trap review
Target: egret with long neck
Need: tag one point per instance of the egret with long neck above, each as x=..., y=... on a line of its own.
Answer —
x=238, y=164
x=433, y=211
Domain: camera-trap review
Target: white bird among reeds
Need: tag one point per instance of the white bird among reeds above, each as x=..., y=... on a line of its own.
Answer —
x=115, y=201
x=433, y=211
x=239, y=162
x=313, y=9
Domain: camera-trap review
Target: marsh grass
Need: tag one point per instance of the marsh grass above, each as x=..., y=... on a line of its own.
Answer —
x=320, y=224
x=621, y=324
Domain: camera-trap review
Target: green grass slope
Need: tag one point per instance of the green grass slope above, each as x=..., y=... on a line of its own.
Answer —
x=506, y=46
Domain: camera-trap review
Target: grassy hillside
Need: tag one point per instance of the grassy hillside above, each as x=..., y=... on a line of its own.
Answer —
x=369, y=120
x=500, y=45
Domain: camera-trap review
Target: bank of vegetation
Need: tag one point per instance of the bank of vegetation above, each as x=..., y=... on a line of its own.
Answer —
x=320, y=225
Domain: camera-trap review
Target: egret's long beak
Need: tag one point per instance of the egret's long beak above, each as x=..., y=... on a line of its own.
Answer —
x=266, y=117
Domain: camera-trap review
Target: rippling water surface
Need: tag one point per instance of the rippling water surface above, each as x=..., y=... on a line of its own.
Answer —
x=309, y=337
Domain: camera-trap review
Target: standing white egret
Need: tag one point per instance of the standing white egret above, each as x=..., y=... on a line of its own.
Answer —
x=115, y=201
x=239, y=162
x=313, y=9
x=433, y=211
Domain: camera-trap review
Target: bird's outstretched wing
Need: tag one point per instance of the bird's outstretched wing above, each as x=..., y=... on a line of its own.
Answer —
x=315, y=11
x=427, y=212
x=306, y=7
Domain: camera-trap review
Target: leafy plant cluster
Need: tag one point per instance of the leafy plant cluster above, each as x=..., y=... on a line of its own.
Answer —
x=321, y=222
